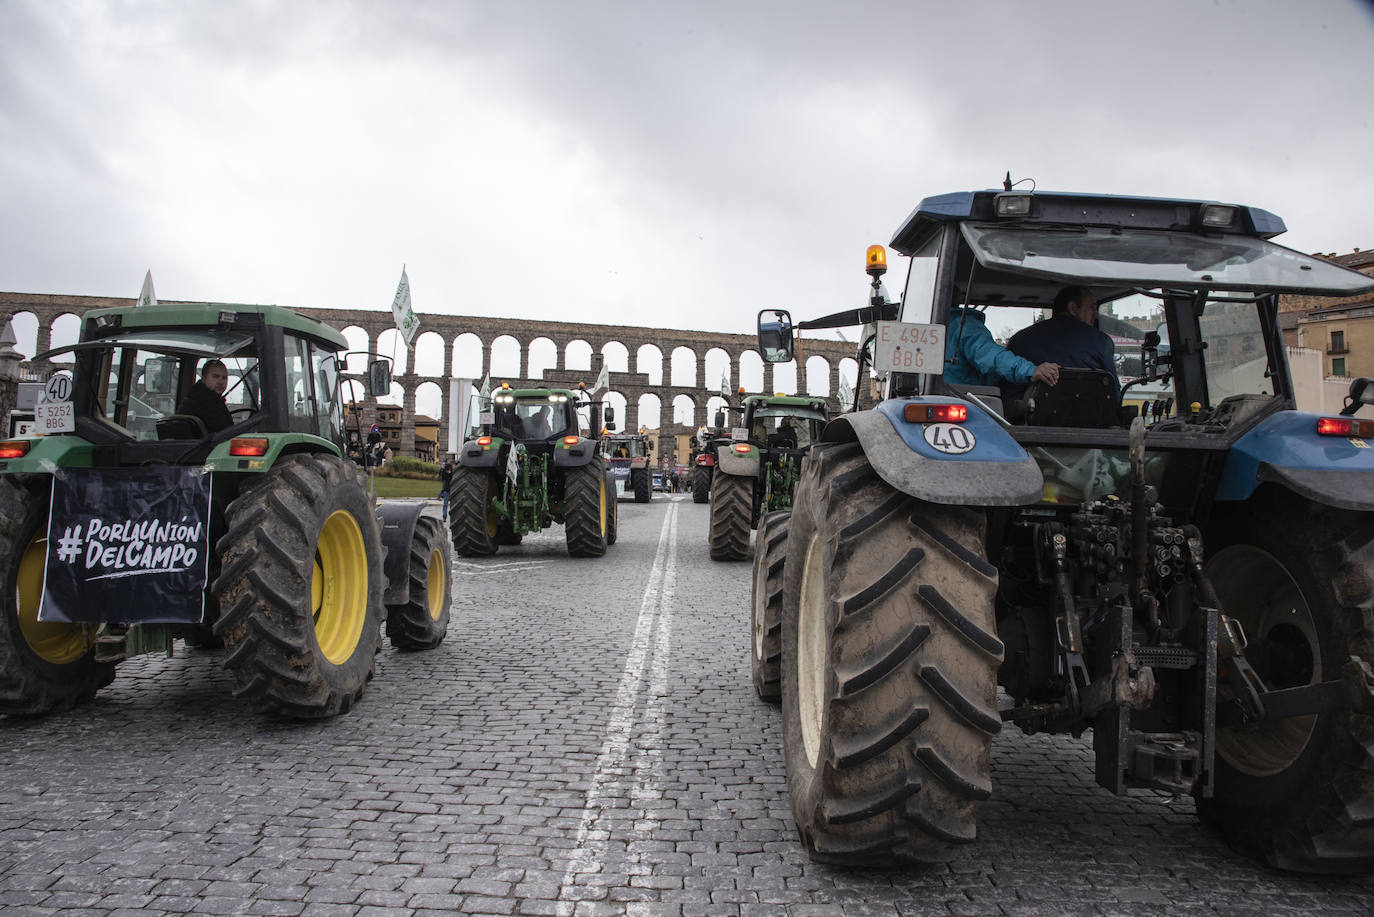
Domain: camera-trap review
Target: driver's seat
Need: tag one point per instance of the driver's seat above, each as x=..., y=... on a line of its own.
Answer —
x=1081, y=398
x=182, y=426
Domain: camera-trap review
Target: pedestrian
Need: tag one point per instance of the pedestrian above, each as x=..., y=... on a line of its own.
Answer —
x=445, y=478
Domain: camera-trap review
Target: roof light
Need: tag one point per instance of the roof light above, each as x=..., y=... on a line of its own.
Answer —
x=228, y=318
x=935, y=413
x=13, y=449
x=877, y=260
x=505, y=385
x=570, y=440
x=1014, y=204
x=1343, y=426
x=247, y=445
x=1218, y=216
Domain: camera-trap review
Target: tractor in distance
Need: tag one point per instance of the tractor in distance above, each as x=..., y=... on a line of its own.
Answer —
x=756, y=471
x=1194, y=582
x=628, y=457
x=128, y=525
x=530, y=466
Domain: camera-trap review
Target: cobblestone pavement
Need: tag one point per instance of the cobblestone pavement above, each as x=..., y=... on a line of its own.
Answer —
x=585, y=742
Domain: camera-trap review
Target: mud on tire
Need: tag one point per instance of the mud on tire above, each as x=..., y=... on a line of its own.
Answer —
x=300, y=590
x=732, y=515
x=422, y=622
x=765, y=628
x=889, y=667
x=1298, y=792
x=44, y=667
x=475, y=527
x=585, y=494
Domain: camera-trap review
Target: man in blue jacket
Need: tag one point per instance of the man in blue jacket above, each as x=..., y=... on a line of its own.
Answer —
x=972, y=357
x=1069, y=337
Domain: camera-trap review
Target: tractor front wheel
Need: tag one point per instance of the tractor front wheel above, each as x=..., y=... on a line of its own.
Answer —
x=889, y=667
x=476, y=526
x=45, y=667
x=732, y=515
x=765, y=632
x=585, y=495
x=300, y=591
x=1299, y=791
x=422, y=622
x=701, y=484
x=642, y=483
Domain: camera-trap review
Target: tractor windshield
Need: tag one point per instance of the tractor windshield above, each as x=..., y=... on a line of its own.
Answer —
x=781, y=427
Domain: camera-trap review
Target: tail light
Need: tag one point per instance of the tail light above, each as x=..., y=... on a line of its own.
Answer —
x=13, y=449
x=570, y=440
x=742, y=448
x=1341, y=426
x=935, y=413
x=247, y=445
x=484, y=440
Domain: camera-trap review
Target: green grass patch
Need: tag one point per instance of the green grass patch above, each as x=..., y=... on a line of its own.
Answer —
x=405, y=487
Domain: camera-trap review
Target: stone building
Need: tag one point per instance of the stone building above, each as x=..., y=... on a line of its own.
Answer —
x=1341, y=328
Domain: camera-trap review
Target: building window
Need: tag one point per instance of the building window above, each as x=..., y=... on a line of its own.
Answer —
x=1338, y=342
x=1338, y=366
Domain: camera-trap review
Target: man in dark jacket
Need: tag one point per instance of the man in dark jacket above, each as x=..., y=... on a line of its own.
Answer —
x=1069, y=337
x=206, y=398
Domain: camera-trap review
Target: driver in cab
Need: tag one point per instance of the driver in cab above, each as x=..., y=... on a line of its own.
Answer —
x=206, y=398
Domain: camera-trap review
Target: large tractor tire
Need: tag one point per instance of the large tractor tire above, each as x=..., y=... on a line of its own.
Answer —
x=474, y=524
x=300, y=591
x=44, y=667
x=585, y=495
x=889, y=667
x=732, y=515
x=643, y=483
x=612, y=511
x=701, y=484
x=1298, y=792
x=765, y=630
x=422, y=622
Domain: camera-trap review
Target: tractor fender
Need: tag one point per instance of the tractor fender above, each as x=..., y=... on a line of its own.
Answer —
x=707, y=460
x=397, y=518
x=1285, y=448
x=476, y=454
x=575, y=455
x=743, y=464
x=974, y=463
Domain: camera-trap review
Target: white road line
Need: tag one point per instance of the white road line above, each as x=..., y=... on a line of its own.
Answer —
x=648, y=657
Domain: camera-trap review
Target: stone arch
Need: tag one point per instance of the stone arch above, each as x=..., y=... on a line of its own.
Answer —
x=66, y=329
x=542, y=356
x=391, y=344
x=713, y=404
x=615, y=356
x=648, y=412
x=429, y=355
x=649, y=362
x=429, y=400
x=717, y=370
x=358, y=341
x=578, y=356
x=617, y=401
x=505, y=358
x=25, y=333
x=785, y=378
x=467, y=357
x=685, y=411
x=817, y=375
x=683, y=367
x=751, y=371
x=394, y=398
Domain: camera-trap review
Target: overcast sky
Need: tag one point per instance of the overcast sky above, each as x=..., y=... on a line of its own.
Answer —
x=664, y=164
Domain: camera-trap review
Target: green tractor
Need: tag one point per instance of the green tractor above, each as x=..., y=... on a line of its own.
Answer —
x=128, y=525
x=756, y=471
x=530, y=467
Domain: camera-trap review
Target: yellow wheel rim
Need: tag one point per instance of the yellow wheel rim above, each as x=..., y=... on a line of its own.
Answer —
x=58, y=644
x=601, y=514
x=434, y=587
x=338, y=587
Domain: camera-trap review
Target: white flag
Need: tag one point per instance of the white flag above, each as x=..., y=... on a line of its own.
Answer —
x=485, y=390
x=725, y=384
x=407, y=322
x=146, y=296
x=846, y=397
x=603, y=380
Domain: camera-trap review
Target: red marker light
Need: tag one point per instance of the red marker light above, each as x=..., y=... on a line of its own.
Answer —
x=741, y=448
x=14, y=449
x=935, y=413
x=570, y=440
x=1345, y=426
x=484, y=440
x=250, y=446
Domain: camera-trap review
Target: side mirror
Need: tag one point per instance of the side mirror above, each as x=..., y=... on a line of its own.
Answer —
x=609, y=415
x=720, y=420
x=159, y=375
x=378, y=378
x=775, y=335
x=1361, y=393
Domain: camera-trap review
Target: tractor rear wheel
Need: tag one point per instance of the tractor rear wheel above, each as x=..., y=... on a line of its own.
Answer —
x=1298, y=792
x=612, y=511
x=300, y=591
x=45, y=667
x=585, y=495
x=475, y=525
x=422, y=622
x=889, y=667
x=643, y=484
x=701, y=484
x=765, y=631
x=732, y=512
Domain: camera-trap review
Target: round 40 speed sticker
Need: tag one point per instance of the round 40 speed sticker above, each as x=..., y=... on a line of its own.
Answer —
x=950, y=438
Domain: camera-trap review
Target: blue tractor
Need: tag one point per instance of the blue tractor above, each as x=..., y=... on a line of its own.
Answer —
x=1190, y=576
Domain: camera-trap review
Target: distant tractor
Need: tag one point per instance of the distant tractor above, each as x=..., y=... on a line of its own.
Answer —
x=532, y=466
x=756, y=472
x=628, y=457
x=129, y=525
